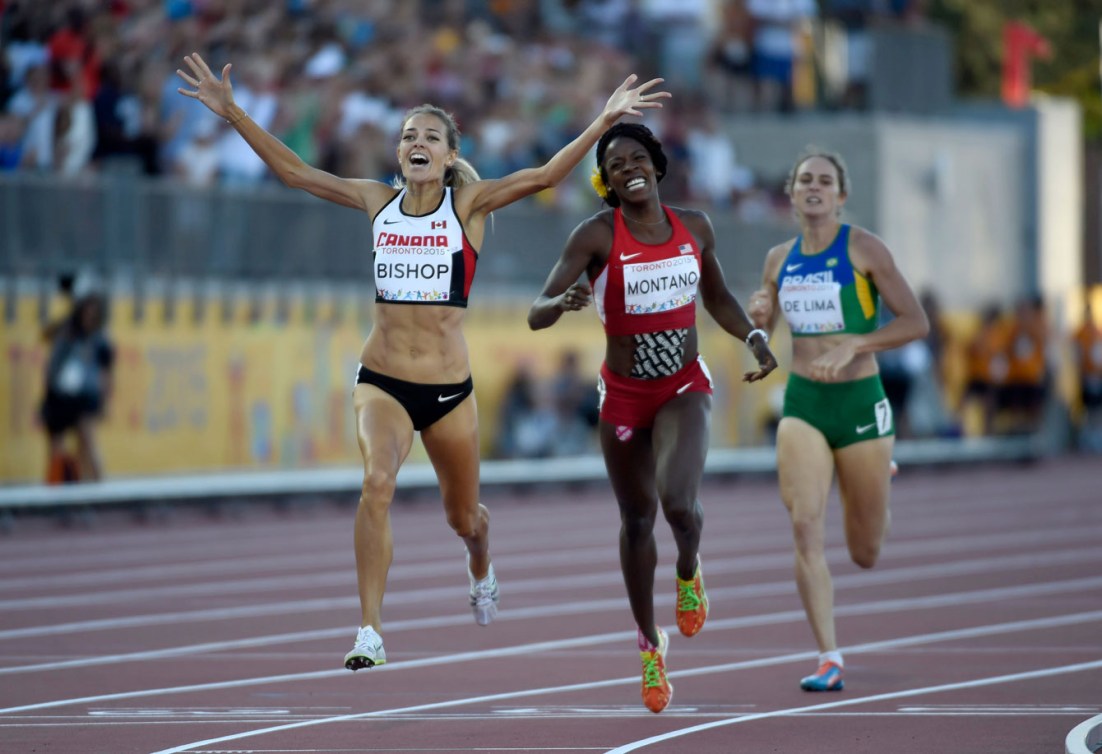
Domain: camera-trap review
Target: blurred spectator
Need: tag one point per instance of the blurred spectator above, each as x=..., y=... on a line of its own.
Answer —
x=62, y=136
x=847, y=50
x=986, y=366
x=33, y=97
x=729, y=67
x=778, y=26
x=254, y=91
x=1024, y=392
x=607, y=22
x=715, y=176
x=677, y=33
x=576, y=408
x=526, y=421
x=21, y=51
x=197, y=162
x=11, y=142
x=1087, y=347
x=78, y=385
x=74, y=59
x=120, y=131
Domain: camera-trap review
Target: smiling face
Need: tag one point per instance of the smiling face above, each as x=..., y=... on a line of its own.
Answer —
x=424, y=152
x=817, y=189
x=629, y=170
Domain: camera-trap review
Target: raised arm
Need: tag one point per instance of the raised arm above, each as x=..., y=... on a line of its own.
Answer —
x=217, y=94
x=483, y=197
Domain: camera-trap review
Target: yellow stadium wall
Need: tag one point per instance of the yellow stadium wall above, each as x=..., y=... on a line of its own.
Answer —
x=261, y=391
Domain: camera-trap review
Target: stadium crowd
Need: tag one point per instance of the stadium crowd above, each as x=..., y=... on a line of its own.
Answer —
x=89, y=85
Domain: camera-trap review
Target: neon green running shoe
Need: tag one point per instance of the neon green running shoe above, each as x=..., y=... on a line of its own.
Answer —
x=692, y=603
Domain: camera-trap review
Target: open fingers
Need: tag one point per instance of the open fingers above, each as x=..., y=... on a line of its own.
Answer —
x=189, y=80
x=204, y=69
x=195, y=69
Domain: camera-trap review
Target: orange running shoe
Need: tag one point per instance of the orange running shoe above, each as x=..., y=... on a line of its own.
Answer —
x=657, y=690
x=692, y=603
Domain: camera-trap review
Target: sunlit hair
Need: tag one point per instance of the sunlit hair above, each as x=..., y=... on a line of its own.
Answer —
x=461, y=172
x=833, y=158
x=639, y=133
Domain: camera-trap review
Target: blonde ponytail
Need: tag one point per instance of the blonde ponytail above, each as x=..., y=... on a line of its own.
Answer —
x=460, y=174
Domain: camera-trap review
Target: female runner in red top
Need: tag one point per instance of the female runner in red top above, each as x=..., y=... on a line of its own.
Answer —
x=646, y=262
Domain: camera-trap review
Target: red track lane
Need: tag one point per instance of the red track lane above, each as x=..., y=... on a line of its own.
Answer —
x=980, y=630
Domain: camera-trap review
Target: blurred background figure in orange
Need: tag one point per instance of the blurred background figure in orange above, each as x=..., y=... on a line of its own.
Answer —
x=1024, y=394
x=986, y=367
x=1087, y=347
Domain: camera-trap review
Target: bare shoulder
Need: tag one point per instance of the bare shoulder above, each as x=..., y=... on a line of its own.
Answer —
x=374, y=194
x=596, y=228
x=867, y=249
x=693, y=219
x=775, y=256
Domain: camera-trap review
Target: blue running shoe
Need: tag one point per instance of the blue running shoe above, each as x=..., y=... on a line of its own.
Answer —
x=827, y=678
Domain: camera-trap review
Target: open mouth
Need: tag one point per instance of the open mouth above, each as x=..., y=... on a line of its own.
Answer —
x=635, y=183
x=418, y=159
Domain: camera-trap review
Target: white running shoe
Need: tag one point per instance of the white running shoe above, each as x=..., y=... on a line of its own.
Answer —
x=484, y=595
x=368, y=650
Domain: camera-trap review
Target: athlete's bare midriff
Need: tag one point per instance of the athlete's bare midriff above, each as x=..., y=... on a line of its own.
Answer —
x=805, y=350
x=418, y=343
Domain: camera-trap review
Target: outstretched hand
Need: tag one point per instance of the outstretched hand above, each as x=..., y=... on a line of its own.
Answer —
x=628, y=101
x=767, y=362
x=216, y=93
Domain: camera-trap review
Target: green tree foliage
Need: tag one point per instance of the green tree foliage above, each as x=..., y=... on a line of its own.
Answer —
x=1070, y=26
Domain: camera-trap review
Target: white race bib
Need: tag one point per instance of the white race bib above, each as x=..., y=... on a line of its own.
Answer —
x=812, y=308
x=421, y=273
x=660, y=286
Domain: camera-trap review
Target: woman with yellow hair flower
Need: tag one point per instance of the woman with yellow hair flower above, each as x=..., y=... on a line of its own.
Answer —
x=646, y=264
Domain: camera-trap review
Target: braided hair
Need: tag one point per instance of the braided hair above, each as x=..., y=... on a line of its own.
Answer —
x=638, y=132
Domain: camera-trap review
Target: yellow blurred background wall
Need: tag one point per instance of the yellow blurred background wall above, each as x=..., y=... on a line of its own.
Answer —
x=257, y=382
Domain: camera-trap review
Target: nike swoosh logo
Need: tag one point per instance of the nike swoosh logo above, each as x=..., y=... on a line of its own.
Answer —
x=390, y=222
x=793, y=267
x=866, y=428
x=446, y=398
x=684, y=387
x=626, y=257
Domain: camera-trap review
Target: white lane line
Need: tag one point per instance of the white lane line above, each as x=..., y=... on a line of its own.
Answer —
x=538, y=714
x=83, y=577
x=791, y=711
x=619, y=636
x=775, y=588
x=788, y=616
x=742, y=564
x=1044, y=672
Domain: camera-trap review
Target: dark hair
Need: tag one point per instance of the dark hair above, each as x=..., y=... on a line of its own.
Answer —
x=461, y=172
x=639, y=133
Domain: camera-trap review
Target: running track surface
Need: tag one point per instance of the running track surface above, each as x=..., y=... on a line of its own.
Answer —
x=980, y=630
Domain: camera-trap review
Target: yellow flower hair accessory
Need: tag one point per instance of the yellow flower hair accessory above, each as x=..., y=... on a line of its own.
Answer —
x=598, y=183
